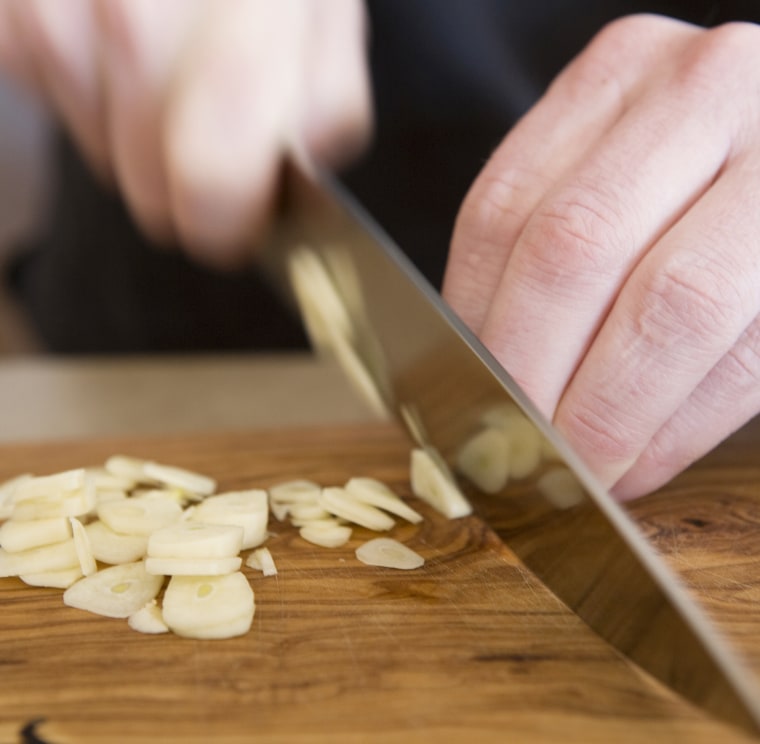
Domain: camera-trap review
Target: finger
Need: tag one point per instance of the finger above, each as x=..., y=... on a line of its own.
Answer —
x=581, y=243
x=583, y=103
x=61, y=40
x=684, y=308
x=725, y=400
x=141, y=41
x=226, y=124
x=336, y=111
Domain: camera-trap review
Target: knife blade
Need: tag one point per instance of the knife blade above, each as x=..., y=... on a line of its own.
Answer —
x=413, y=358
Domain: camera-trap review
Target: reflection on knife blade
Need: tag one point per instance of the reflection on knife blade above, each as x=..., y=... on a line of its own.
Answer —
x=414, y=358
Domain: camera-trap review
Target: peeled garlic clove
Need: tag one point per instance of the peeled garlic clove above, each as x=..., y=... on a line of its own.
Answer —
x=389, y=553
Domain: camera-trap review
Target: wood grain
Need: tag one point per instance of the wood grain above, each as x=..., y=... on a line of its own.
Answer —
x=469, y=648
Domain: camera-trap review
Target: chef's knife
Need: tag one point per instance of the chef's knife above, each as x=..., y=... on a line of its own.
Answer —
x=414, y=358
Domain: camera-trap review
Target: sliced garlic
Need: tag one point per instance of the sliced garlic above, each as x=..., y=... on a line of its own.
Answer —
x=261, y=560
x=338, y=502
x=49, y=485
x=209, y=607
x=248, y=510
x=148, y=619
x=138, y=516
x=561, y=488
x=64, y=504
x=307, y=512
x=484, y=460
x=388, y=553
x=376, y=493
x=110, y=547
x=525, y=447
x=185, y=480
x=117, y=591
x=326, y=536
x=295, y=491
x=55, y=557
x=128, y=468
x=60, y=579
x=7, y=494
x=433, y=482
x=195, y=540
x=17, y=535
x=193, y=566
x=82, y=546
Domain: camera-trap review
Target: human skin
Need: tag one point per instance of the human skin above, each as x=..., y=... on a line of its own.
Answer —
x=190, y=105
x=607, y=254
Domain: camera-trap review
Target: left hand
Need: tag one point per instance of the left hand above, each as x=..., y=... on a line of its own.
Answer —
x=609, y=252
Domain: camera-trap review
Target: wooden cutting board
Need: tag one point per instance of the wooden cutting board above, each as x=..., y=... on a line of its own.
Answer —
x=469, y=648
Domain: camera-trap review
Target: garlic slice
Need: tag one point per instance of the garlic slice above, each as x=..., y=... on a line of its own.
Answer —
x=110, y=547
x=148, y=619
x=60, y=579
x=433, y=482
x=338, y=502
x=376, y=493
x=82, y=546
x=44, y=486
x=295, y=491
x=139, y=516
x=17, y=535
x=389, y=553
x=261, y=560
x=195, y=540
x=192, y=566
x=58, y=556
x=117, y=591
x=248, y=510
x=185, y=480
x=484, y=460
x=209, y=607
x=326, y=536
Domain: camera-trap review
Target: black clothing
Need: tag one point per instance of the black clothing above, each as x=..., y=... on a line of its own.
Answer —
x=450, y=78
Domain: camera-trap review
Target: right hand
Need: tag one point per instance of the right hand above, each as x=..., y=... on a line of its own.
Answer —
x=189, y=105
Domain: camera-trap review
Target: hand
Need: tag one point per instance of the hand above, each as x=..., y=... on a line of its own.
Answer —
x=608, y=254
x=189, y=104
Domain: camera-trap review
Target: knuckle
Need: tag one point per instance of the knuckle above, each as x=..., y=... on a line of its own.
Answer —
x=595, y=425
x=574, y=237
x=720, y=58
x=488, y=222
x=692, y=300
